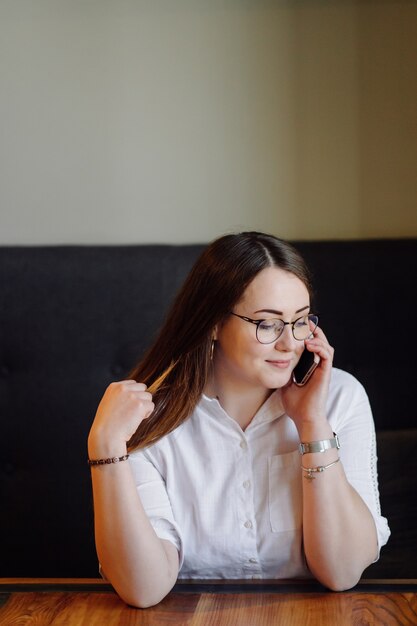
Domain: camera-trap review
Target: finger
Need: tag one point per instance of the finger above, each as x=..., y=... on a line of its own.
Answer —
x=149, y=412
x=134, y=383
x=318, y=343
x=318, y=333
x=319, y=346
x=140, y=395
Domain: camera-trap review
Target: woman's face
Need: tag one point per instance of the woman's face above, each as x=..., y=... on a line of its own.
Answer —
x=240, y=360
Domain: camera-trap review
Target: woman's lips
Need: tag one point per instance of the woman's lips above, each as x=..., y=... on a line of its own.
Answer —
x=280, y=364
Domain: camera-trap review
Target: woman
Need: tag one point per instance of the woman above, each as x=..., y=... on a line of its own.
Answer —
x=216, y=484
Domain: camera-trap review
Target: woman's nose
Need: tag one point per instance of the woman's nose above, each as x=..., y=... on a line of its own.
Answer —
x=286, y=340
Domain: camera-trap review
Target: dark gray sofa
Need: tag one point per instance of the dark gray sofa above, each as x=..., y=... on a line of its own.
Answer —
x=72, y=319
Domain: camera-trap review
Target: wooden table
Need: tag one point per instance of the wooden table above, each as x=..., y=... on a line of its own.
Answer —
x=92, y=602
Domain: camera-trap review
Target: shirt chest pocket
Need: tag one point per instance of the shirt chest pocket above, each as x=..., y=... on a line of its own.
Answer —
x=285, y=492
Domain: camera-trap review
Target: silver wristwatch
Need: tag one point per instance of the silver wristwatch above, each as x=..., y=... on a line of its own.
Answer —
x=320, y=446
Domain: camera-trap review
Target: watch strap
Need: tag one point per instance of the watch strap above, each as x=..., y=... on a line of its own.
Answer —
x=319, y=446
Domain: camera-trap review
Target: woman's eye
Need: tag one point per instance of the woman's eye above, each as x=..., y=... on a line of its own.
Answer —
x=303, y=321
x=267, y=325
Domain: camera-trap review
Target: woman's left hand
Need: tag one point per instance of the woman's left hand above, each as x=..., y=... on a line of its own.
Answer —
x=307, y=405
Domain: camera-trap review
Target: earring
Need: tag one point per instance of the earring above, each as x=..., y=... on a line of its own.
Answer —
x=212, y=349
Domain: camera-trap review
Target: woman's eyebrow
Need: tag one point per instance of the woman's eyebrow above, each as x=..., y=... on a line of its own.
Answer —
x=274, y=312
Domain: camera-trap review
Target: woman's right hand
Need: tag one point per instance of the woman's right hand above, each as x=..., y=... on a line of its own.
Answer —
x=123, y=407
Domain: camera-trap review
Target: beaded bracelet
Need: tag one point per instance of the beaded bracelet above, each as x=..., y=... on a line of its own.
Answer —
x=114, y=459
x=313, y=470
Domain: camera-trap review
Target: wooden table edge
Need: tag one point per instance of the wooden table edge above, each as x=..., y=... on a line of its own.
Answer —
x=14, y=584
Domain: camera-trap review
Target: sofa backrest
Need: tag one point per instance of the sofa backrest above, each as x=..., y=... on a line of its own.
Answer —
x=74, y=318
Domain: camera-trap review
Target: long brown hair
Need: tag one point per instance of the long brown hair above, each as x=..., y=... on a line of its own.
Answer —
x=215, y=284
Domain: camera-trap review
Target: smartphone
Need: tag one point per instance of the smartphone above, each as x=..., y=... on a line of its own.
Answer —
x=304, y=368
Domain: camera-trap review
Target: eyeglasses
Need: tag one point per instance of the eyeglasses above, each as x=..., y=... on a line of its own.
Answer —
x=268, y=331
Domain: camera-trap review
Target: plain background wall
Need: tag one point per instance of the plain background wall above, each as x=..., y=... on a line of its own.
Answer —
x=126, y=121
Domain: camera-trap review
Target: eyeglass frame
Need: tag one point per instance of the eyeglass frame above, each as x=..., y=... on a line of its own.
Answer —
x=284, y=324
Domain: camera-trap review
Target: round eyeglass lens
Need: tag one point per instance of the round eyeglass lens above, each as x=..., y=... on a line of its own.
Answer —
x=269, y=330
x=304, y=327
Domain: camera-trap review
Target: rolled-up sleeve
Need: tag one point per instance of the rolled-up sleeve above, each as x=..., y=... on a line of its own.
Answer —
x=154, y=497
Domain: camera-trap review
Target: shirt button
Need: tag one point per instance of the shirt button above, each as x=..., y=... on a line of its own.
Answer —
x=243, y=445
x=253, y=560
x=246, y=484
x=248, y=524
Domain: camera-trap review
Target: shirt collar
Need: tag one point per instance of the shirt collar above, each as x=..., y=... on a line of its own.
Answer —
x=270, y=410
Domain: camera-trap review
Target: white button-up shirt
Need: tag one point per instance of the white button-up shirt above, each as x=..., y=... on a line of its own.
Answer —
x=231, y=500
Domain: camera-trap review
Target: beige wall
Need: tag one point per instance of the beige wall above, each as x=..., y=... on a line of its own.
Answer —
x=175, y=120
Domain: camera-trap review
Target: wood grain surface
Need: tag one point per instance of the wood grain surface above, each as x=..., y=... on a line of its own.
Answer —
x=102, y=607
